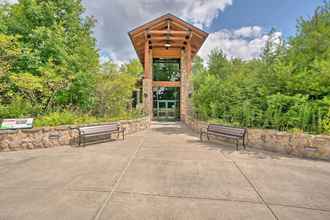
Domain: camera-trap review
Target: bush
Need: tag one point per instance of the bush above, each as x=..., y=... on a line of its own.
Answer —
x=19, y=107
x=326, y=123
x=72, y=118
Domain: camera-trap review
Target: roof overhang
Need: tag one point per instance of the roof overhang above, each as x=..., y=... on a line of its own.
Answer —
x=167, y=32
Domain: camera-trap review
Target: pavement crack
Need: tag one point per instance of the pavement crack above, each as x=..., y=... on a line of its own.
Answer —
x=188, y=197
x=255, y=189
x=109, y=195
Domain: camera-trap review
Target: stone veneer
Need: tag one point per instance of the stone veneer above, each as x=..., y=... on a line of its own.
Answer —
x=296, y=144
x=47, y=137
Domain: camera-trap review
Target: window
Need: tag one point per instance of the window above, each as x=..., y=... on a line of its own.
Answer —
x=166, y=70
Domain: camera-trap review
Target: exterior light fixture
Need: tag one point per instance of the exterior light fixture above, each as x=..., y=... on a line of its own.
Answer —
x=167, y=44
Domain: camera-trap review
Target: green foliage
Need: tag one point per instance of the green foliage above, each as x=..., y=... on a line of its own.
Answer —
x=133, y=68
x=288, y=88
x=72, y=118
x=326, y=123
x=47, y=51
x=114, y=90
x=49, y=66
x=198, y=65
x=19, y=107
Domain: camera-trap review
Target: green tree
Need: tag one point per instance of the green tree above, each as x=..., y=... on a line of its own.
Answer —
x=114, y=90
x=288, y=87
x=133, y=67
x=57, y=52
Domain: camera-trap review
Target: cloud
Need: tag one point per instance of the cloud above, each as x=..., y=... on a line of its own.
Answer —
x=8, y=1
x=245, y=43
x=117, y=17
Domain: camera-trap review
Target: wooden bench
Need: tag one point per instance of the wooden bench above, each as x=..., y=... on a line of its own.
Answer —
x=224, y=131
x=99, y=132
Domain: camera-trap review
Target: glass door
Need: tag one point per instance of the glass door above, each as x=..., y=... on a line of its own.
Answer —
x=166, y=106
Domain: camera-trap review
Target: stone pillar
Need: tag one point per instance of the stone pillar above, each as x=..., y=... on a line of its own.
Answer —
x=147, y=96
x=147, y=81
x=189, y=83
x=183, y=89
x=186, y=83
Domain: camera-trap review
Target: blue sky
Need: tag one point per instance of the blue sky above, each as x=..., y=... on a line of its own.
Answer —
x=239, y=27
x=280, y=14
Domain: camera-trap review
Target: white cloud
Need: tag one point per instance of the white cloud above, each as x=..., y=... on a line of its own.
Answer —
x=245, y=43
x=117, y=17
x=8, y=1
x=203, y=12
x=248, y=32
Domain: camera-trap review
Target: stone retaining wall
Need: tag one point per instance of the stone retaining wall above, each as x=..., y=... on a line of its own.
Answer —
x=47, y=137
x=297, y=144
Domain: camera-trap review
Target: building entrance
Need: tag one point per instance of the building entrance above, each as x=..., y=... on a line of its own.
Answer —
x=166, y=104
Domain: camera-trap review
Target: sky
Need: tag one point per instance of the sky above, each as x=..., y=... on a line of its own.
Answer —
x=239, y=27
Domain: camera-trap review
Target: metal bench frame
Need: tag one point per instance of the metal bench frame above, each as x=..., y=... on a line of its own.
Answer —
x=103, y=131
x=224, y=131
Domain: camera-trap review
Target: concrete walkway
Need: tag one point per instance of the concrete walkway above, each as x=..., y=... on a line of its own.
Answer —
x=161, y=173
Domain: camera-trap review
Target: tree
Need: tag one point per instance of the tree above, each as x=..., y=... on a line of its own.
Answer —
x=54, y=48
x=133, y=67
x=114, y=90
x=198, y=65
x=288, y=87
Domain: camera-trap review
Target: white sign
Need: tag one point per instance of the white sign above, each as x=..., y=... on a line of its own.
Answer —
x=17, y=123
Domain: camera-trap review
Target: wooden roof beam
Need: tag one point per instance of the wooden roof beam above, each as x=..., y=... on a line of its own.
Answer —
x=170, y=38
x=186, y=29
x=171, y=32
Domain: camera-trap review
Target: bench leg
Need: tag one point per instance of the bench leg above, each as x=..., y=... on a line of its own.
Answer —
x=79, y=141
x=208, y=137
x=244, y=143
x=236, y=144
x=201, y=136
x=123, y=134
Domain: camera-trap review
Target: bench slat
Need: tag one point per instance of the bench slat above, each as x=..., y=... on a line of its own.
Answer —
x=99, y=131
x=225, y=131
x=225, y=135
x=101, y=128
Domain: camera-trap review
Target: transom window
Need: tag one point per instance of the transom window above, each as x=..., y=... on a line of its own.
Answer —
x=166, y=69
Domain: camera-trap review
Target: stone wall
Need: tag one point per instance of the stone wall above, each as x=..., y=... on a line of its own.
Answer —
x=296, y=144
x=47, y=137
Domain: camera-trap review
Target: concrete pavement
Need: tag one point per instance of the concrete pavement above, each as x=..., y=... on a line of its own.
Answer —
x=162, y=173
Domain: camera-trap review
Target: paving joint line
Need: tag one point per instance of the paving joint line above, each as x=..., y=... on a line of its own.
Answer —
x=184, y=160
x=188, y=197
x=299, y=207
x=252, y=185
x=255, y=189
x=109, y=195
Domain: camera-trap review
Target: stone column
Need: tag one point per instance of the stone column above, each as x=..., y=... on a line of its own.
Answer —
x=183, y=89
x=147, y=81
x=189, y=83
x=186, y=83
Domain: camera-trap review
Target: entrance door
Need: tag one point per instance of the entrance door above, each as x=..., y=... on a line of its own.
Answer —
x=166, y=105
x=166, y=110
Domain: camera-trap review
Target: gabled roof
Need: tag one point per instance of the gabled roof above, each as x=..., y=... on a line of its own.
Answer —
x=167, y=29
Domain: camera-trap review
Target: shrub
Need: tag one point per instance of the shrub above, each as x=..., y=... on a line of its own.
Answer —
x=72, y=118
x=19, y=107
